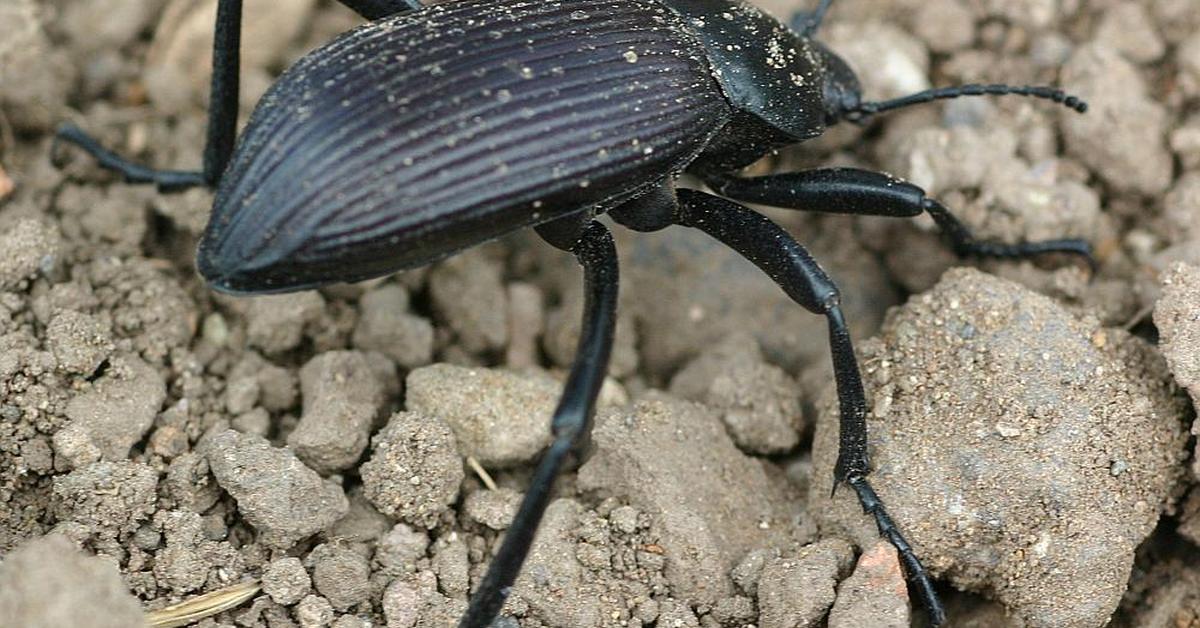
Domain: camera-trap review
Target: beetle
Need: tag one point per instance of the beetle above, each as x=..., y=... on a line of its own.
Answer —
x=431, y=129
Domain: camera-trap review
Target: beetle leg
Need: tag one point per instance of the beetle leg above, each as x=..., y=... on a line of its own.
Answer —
x=571, y=424
x=791, y=266
x=222, y=117
x=222, y=104
x=166, y=180
x=854, y=191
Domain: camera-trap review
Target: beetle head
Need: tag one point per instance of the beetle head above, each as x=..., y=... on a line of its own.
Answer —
x=841, y=92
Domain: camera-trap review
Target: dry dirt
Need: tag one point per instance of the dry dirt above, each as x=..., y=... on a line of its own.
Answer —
x=1031, y=424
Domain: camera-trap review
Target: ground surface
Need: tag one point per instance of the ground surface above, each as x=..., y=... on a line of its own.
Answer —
x=1030, y=423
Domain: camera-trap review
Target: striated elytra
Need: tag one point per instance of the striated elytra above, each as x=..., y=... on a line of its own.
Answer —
x=432, y=129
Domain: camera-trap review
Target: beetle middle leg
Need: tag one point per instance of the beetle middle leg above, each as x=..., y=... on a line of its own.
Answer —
x=774, y=250
x=222, y=104
x=572, y=421
x=854, y=191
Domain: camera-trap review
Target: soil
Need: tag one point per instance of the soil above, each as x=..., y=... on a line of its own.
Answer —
x=352, y=456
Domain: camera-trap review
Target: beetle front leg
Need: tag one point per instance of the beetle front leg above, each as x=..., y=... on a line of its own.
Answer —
x=774, y=250
x=571, y=424
x=854, y=191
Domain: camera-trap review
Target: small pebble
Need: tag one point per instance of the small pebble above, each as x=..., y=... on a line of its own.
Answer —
x=284, y=500
x=341, y=575
x=286, y=581
x=313, y=611
x=415, y=471
x=500, y=418
x=387, y=326
x=342, y=398
x=276, y=323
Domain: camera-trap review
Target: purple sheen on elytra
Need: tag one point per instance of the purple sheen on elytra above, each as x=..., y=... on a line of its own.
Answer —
x=411, y=138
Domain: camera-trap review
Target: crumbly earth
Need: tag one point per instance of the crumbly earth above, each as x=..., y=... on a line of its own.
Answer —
x=360, y=450
x=979, y=387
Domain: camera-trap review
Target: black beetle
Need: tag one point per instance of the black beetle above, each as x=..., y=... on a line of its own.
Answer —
x=432, y=129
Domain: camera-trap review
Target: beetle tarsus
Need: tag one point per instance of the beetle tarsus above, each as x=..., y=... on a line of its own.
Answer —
x=965, y=244
x=165, y=180
x=918, y=577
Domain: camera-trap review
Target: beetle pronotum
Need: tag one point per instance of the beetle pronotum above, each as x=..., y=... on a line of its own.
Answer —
x=432, y=129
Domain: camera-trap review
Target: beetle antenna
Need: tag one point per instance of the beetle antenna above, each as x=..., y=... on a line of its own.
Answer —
x=808, y=24
x=1049, y=93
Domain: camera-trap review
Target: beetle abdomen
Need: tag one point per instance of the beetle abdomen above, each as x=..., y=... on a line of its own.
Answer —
x=421, y=134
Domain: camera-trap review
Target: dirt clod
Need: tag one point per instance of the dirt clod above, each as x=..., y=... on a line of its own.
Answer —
x=276, y=323
x=340, y=574
x=798, y=591
x=759, y=403
x=27, y=248
x=342, y=398
x=80, y=342
x=494, y=509
x=401, y=602
x=109, y=498
x=1177, y=315
x=498, y=417
x=1131, y=157
x=284, y=500
x=673, y=460
x=388, y=327
x=314, y=611
x=468, y=294
x=29, y=59
x=979, y=385
x=49, y=583
x=286, y=581
x=415, y=471
x=121, y=406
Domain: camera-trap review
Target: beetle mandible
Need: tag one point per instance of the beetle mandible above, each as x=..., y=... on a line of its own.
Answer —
x=431, y=129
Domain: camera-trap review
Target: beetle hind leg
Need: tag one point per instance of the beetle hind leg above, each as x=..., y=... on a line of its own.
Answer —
x=792, y=267
x=572, y=422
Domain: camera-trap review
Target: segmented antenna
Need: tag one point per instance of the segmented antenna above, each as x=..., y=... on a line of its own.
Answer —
x=812, y=22
x=1049, y=93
